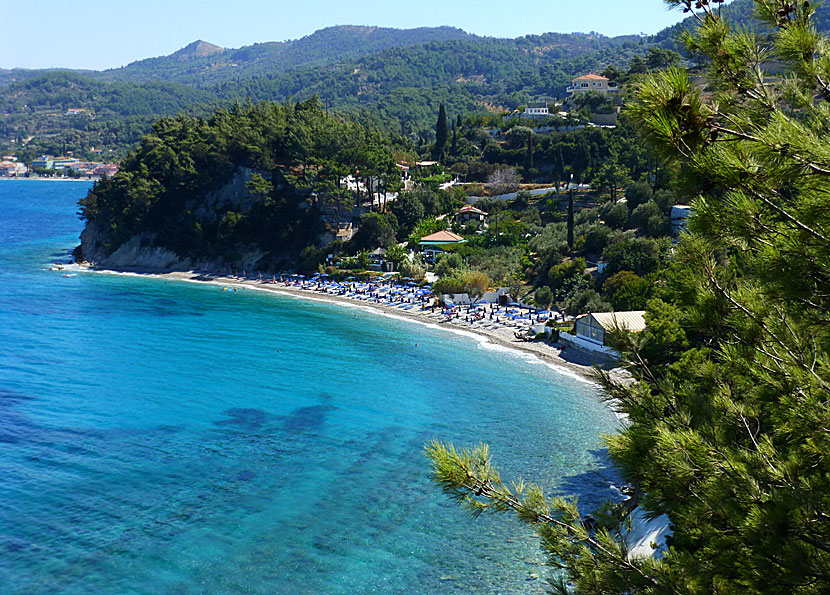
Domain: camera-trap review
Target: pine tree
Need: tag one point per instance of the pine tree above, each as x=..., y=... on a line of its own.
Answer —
x=441, y=132
x=729, y=427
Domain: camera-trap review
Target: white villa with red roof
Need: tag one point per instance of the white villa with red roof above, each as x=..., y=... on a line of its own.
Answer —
x=591, y=82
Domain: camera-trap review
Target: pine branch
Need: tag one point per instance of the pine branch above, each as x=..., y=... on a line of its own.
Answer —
x=793, y=356
x=484, y=487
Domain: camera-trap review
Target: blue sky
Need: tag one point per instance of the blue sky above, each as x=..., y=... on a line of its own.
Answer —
x=99, y=34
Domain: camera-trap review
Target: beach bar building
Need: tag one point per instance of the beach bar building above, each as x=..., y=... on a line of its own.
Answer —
x=592, y=331
x=431, y=244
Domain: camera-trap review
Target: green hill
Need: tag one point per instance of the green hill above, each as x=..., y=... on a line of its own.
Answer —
x=204, y=63
x=394, y=79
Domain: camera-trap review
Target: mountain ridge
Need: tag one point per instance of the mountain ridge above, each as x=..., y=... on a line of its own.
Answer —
x=201, y=62
x=393, y=78
x=197, y=49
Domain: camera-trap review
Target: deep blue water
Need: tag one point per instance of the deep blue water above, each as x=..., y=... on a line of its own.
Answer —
x=171, y=437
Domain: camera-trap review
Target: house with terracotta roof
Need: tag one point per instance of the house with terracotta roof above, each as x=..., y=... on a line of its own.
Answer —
x=591, y=82
x=107, y=169
x=12, y=169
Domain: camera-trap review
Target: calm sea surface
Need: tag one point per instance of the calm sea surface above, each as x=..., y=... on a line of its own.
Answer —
x=170, y=437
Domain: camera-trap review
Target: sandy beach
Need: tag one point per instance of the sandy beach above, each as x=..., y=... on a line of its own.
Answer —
x=568, y=361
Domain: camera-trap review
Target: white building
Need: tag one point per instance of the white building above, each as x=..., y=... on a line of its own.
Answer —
x=592, y=330
x=12, y=169
x=536, y=110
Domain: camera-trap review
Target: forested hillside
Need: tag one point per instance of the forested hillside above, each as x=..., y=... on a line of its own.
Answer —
x=394, y=79
x=202, y=63
x=35, y=117
x=165, y=194
x=398, y=88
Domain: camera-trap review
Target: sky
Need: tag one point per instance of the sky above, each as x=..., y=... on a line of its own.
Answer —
x=100, y=34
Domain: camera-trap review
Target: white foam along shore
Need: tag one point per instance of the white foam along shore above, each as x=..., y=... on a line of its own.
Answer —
x=489, y=338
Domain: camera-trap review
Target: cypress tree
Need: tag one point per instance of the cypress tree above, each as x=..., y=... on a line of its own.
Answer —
x=581, y=159
x=570, y=218
x=441, y=132
x=558, y=166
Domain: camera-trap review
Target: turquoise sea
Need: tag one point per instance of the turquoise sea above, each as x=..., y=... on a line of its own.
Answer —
x=163, y=437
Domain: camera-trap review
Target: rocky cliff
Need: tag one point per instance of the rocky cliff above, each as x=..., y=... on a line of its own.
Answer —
x=142, y=252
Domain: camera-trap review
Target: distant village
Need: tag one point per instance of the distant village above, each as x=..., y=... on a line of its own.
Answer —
x=49, y=166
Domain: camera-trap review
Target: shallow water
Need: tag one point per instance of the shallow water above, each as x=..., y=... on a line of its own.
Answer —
x=171, y=437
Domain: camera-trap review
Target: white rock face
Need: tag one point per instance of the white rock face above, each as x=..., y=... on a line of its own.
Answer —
x=647, y=537
x=133, y=255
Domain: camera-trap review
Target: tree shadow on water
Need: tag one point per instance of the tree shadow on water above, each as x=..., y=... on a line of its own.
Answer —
x=593, y=487
x=302, y=419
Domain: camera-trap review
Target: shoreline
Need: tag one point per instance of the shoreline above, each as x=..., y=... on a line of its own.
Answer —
x=46, y=179
x=573, y=364
x=639, y=536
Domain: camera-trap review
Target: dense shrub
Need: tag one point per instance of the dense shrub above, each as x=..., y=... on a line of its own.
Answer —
x=640, y=255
